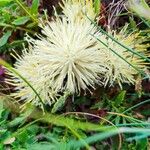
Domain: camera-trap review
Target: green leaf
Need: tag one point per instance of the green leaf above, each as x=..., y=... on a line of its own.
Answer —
x=17, y=121
x=132, y=23
x=26, y=10
x=119, y=98
x=4, y=2
x=145, y=112
x=22, y=118
x=23, y=136
x=60, y=103
x=21, y=20
x=16, y=43
x=97, y=5
x=34, y=8
x=4, y=38
x=142, y=143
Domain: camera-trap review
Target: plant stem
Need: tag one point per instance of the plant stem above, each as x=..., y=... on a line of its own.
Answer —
x=18, y=28
x=121, y=44
x=30, y=15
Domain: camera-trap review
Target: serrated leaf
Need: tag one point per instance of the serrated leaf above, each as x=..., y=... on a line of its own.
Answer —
x=34, y=8
x=119, y=98
x=4, y=38
x=21, y=20
x=60, y=103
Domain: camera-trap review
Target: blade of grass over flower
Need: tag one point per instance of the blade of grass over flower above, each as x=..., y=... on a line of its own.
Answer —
x=111, y=37
x=146, y=22
x=5, y=64
x=140, y=71
x=141, y=103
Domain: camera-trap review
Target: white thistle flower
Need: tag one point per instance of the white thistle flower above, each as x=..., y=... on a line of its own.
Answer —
x=118, y=70
x=78, y=9
x=69, y=56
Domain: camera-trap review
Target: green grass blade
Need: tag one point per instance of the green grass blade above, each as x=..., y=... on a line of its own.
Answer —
x=124, y=46
x=26, y=10
x=146, y=22
x=118, y=55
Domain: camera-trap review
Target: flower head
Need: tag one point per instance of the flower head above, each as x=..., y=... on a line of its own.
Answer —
x=122, y=69
x=78, y=9
x=69, y=55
